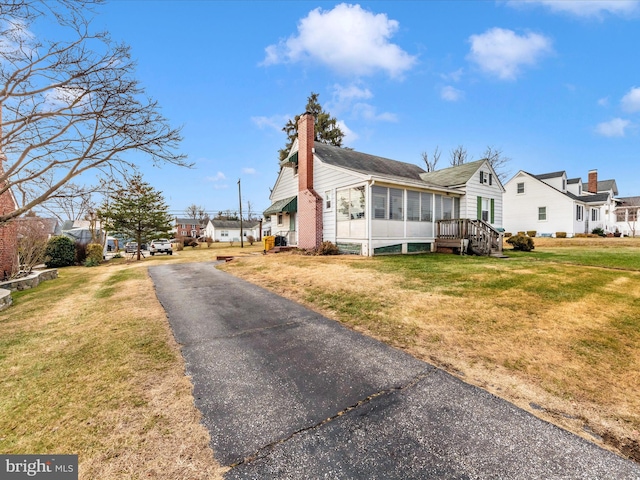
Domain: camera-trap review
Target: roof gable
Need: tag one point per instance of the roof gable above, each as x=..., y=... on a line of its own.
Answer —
x=453, y=176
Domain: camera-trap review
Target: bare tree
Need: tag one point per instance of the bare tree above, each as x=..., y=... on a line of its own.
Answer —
x=32, y=243
x=435, y=158
x=71, y=203
x=196, y=211
x=458, y=156
x=498, y=161
x=70, y=106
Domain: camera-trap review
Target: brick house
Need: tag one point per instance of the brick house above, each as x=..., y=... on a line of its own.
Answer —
x=188, y=227
x=8, y=231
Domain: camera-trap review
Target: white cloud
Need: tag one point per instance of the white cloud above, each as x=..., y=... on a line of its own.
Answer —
x=583, y=8
x=369, y=112
x=275, y=121
x=631, y=101
x=346, y=94
x=603, y=102
x=249, y=171
x=453, y=76
x=613, y=128
x=349, y=135
x=503, y=53
x=347, y=39
x=216, y=178
x=451, y=94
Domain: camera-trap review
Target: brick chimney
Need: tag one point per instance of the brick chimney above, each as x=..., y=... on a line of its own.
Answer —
x=8, y=231
x=592, y=186
x=309, y=202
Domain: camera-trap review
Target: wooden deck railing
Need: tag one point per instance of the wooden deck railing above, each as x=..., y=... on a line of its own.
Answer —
x=483, y=238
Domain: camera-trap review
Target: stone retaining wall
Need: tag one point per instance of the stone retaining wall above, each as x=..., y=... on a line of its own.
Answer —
x=33, y=280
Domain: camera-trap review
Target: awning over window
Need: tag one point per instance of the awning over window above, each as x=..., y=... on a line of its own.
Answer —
x=286, y=205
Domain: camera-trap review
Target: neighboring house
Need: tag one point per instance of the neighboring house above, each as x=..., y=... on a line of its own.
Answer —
x=188, y=227
x=371, y=205
x=229, y=230
x=627, y=217
x=8, y=231
x=552, y=203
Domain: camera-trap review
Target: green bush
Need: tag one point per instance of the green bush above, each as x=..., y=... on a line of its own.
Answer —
x=60, y=252
x=531, y=233
x=598, y=231
x=521, y=242
x=94, y=255
x=561, y=234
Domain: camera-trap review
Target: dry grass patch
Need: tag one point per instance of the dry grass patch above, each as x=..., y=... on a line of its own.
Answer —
x=89, y=366
x=556, y=338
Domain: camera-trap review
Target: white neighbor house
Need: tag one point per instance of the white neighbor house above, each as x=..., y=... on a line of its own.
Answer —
x=229, y=230
x=552, y=203
x=371, y=205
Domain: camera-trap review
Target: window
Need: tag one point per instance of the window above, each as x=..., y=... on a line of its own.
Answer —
x=595, y=214
x=632, y=216
x=426, y=207
x=486, y=205
x=579, y=189
x=564, y=184
x=396, y=198
x=520, y=187
x=447, y=208
x=542, y=213
x=486, y=178
x=621, y=215
x=184, y=233
x=183, y=226
x=280, y=219
x=379, y=203
x=579, y=212
x=413, y=206
x=224, y=233
x=350, y=203
x=327, y=199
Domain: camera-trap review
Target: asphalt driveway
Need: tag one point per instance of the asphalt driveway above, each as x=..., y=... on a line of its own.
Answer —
x=287, y=393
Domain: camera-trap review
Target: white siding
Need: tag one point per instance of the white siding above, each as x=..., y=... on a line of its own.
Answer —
x=521, y=209
x=475, y=189
x=286, y=185
x=330, y=178
x=557, y=182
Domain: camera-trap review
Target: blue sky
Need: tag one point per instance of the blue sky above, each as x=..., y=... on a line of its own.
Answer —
x=554, y=85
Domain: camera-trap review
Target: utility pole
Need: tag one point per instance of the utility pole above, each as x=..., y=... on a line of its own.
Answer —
x=240, y=200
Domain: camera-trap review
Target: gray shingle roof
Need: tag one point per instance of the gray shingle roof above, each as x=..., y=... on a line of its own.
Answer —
x=365, y=163
x=545, y=176
x=604, y=186
x=452, y=176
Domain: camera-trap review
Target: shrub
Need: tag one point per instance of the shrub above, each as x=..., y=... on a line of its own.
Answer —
x=251, y=239
x=327, y=248
x=561, y=234
x=209, y=241
x=60, y=252
x=81, y=252
x=598, y=231
x=521, y=233
x=531, y=233
x=507, y=234
x=190, y=242
x=521, y=242
x=94, y=255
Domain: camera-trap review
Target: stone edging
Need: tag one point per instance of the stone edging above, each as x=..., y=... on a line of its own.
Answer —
x=32, y=280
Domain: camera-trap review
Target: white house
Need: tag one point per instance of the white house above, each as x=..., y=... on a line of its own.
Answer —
x=371, y=205
x=229, y=230
x=552, y=203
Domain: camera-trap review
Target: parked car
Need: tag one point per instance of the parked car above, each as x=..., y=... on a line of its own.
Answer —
x=161, y=245
x=131, y=247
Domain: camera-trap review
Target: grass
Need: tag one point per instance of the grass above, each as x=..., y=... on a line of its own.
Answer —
x=557, y=327
x=88, y=365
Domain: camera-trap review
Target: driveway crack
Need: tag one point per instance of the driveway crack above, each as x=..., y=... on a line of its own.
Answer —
x=264, y=451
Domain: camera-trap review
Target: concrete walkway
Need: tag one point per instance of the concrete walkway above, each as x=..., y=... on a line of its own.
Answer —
x=287, y=393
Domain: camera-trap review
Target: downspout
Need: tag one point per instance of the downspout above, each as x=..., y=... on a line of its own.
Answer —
x=369, y=218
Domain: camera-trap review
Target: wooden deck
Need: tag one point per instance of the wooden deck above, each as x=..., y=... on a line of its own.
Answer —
x=466, y=236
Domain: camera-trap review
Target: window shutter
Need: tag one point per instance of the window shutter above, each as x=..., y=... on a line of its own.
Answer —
x=490, y=179
x=480, y=207
x=493, y=208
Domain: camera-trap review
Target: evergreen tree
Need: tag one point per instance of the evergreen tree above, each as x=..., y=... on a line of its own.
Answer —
x=326, y=127
x=136, y=210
